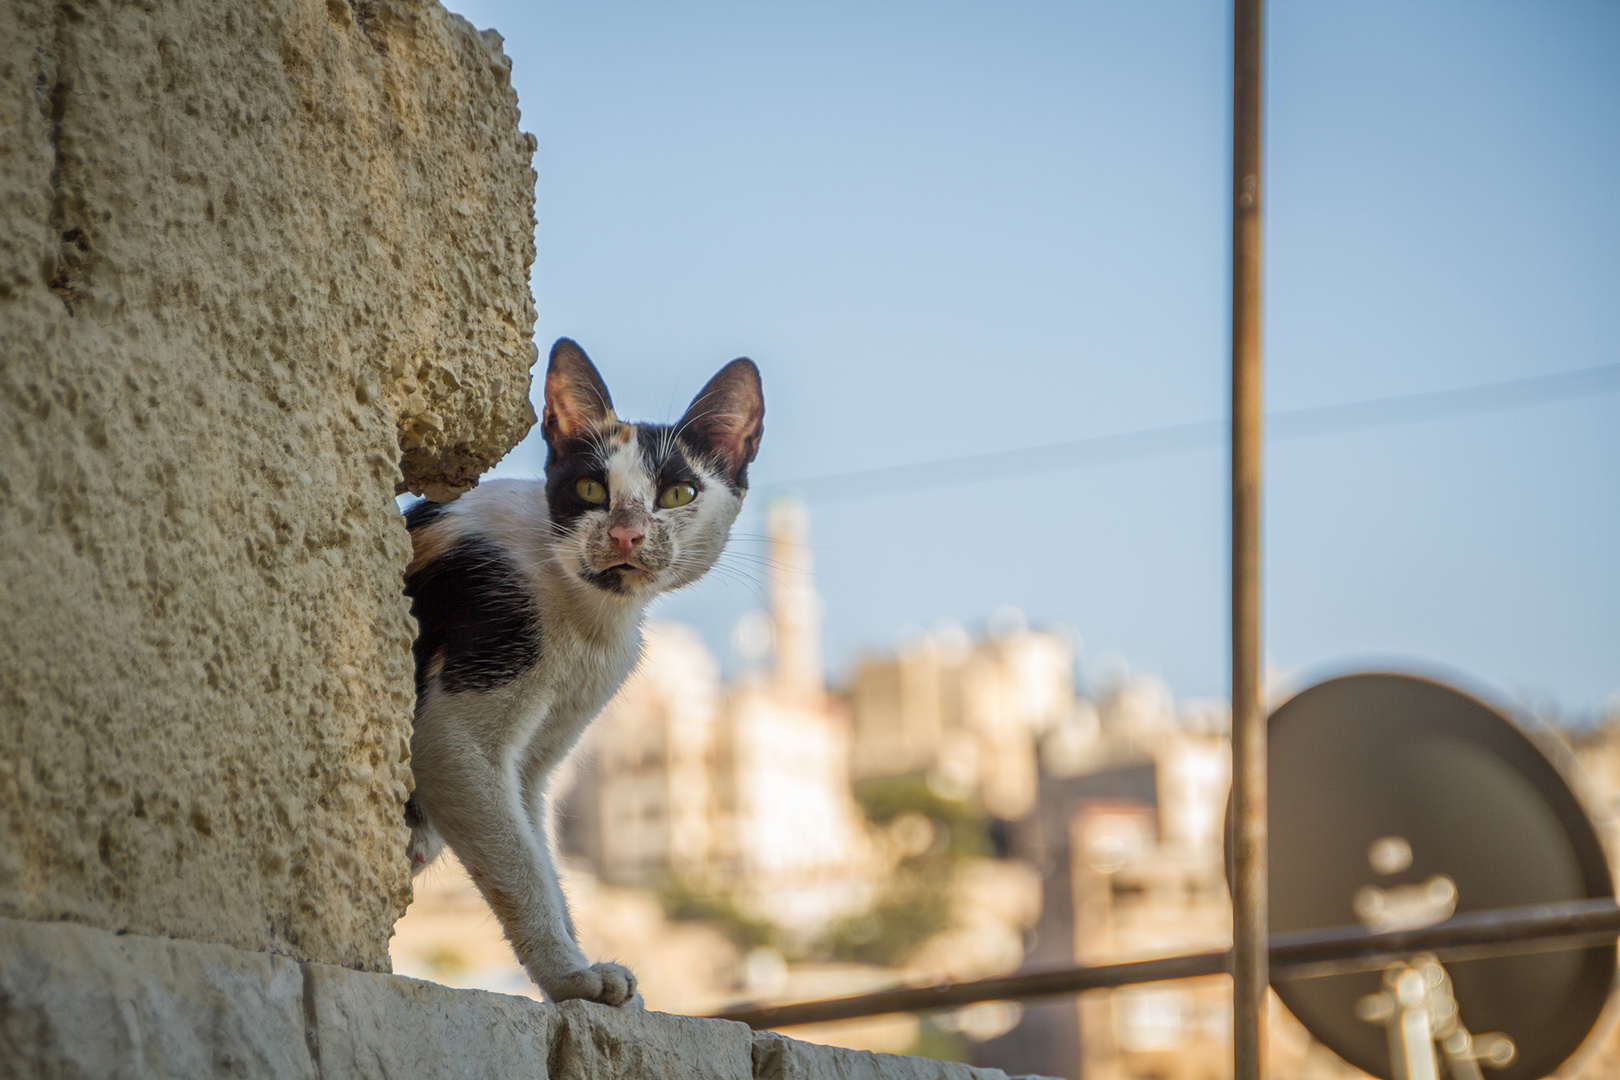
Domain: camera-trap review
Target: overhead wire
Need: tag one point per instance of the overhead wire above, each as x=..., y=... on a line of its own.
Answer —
x=1143, y=444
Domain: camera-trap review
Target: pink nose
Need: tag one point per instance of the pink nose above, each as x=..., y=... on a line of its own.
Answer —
x=627, y=537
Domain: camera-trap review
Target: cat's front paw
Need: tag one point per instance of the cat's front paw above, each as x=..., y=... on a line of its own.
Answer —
x=609, y=984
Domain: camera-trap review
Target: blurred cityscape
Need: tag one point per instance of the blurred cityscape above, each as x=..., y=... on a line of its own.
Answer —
x=956, y=811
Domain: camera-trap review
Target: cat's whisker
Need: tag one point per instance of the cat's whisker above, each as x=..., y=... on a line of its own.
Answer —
x=768, y=562
x=726, y=570
x=762, y=538
x=755, y=589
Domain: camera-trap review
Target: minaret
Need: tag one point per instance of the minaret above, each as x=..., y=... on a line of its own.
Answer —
x=795, y=607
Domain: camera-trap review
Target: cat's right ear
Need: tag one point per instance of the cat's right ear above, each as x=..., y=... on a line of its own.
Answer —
x=727, y=418
x=576, y=397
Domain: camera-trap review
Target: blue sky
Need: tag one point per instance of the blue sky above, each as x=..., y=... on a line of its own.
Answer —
x=944, y=229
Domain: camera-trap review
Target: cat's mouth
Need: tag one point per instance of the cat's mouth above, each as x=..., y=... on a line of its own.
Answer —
x=618, y=578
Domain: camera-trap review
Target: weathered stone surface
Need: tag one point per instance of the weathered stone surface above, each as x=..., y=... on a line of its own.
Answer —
x=78, y=1002
x=777, y=1057
x=372, y=1026
x=250, y=255
x=601, y=1041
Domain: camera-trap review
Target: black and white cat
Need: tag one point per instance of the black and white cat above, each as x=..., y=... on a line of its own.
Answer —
x=529, y=599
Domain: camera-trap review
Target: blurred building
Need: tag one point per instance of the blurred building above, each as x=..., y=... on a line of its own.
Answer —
x=969, y=714
x=1129, y=833
x=1148, y=880
x=652, y=786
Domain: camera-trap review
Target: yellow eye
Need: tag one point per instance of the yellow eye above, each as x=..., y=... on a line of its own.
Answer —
x=677, y=495
x=589, y=490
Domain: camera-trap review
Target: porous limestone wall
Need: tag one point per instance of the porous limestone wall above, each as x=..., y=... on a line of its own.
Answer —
x=253, y=256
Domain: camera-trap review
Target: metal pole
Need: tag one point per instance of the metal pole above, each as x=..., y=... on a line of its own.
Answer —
x=1300, y=955
x=1250, y=976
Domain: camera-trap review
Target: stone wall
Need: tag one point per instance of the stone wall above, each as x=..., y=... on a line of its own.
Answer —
x=253, y=256
x=80, y=1002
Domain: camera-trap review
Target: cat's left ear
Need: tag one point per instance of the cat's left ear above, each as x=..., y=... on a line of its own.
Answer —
x=728, y=417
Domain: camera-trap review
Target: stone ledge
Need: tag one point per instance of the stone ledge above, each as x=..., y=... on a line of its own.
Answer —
x=76, y=1001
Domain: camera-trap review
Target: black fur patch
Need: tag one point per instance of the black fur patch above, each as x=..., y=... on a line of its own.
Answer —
x=610, y=580
x=474, y=618
x=666, y=457
x=423, y=512
x=694, y=443
x=563, y=504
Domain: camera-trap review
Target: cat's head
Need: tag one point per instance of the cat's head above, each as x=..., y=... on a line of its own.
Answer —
x=640, y=508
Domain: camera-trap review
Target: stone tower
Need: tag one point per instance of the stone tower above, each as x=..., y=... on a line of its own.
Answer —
x=795, y=605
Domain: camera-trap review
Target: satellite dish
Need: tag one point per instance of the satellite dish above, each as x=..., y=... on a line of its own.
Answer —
x=1396, y=802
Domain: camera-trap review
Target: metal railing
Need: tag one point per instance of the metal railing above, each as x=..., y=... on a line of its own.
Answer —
x=1301, y=955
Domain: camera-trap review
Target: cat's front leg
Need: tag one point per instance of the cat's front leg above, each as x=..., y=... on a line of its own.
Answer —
x=585, y=980
x=478, y=809
x=559, y=966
